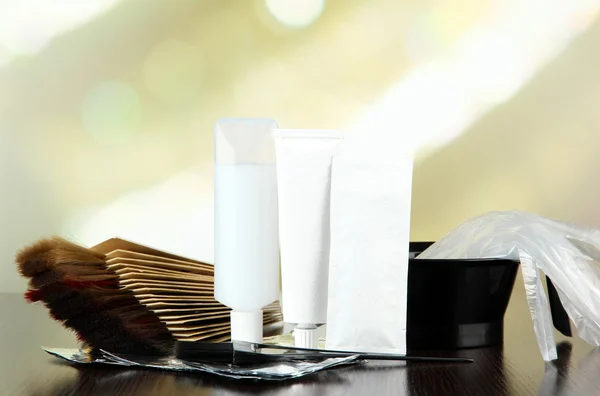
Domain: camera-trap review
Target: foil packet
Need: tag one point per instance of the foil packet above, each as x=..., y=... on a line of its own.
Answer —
x=273, y=371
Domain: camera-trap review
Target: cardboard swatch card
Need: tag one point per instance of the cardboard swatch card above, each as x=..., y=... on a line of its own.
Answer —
x=180, y=291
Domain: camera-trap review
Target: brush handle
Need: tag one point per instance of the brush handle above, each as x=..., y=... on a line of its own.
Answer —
x=375, y=356
x=371, y=356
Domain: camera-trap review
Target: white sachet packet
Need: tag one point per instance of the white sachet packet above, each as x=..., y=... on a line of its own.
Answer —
x=368, y=272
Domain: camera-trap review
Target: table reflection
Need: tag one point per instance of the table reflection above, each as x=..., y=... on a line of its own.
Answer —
x=454, y=379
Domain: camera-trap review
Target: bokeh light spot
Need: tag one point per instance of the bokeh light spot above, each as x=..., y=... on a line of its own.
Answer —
x=111, y=112
x=296, y=13
x=173, y=71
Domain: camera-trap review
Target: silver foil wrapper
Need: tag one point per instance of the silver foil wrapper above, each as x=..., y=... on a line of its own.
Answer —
x=266, y=371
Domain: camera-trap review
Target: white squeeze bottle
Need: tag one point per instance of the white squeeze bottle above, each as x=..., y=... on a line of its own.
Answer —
x=246, y=223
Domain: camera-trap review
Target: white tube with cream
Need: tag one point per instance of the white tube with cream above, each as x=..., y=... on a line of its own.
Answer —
x=304, y=181
x=246, y=237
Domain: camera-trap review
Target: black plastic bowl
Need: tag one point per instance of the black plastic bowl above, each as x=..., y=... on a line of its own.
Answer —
x=457, y=303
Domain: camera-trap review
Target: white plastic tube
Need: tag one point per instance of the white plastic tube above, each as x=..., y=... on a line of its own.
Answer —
x=304, y=182
x=246, y=237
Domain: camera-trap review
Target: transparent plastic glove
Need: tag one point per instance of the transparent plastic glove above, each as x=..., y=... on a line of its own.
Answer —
x=538, y=307
x=567, y=253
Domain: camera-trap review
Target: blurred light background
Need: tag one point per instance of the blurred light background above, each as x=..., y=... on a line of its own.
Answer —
x=107, y=106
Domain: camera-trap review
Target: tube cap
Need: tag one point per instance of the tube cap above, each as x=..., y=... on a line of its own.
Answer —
x=306, y=338
x=247, y=326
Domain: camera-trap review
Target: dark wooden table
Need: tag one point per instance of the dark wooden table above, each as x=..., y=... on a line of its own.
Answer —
x=516, y=368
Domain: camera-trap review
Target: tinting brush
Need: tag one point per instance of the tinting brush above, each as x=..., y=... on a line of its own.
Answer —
x=241, y=352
